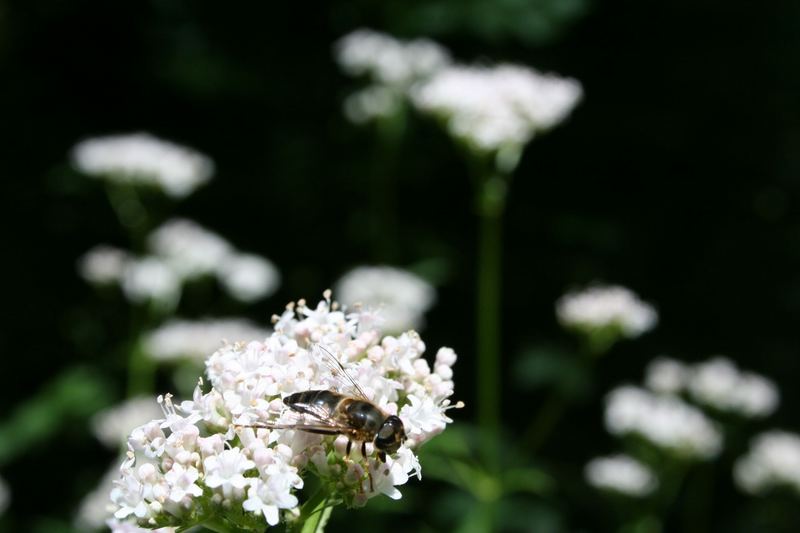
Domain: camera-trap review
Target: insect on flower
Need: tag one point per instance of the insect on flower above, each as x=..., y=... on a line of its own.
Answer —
x=347, y=412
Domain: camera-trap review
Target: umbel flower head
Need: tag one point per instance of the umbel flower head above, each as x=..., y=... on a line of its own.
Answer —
x=605, y=313
x=142, y=159
x=621, y=474
x=772, y=462
x=399, y=296
x=207, y=459
x=391, y=65
x=497, y=108
x=716, y=383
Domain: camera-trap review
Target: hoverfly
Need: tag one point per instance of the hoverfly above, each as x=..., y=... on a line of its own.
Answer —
x=329, y=412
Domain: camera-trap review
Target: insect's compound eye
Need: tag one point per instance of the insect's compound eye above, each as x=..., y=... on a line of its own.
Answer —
x=391, y=435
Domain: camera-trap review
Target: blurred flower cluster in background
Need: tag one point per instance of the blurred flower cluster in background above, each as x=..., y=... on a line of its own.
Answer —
x=212, y=211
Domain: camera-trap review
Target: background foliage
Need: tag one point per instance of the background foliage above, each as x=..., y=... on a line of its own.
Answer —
x=677, y=176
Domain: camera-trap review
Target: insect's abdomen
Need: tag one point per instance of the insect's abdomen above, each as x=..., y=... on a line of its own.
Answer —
x=318, y=399
x=362, y=416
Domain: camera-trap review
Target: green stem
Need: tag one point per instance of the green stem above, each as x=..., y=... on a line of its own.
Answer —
x=218, y=524
x=314, y=514
x=383, y=186
x=141, y=372
x=130, y=211
x=491, y=203
x=546, y=419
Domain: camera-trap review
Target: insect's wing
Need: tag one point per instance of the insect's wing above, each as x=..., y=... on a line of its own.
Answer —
x=340, y=377
x=310, y=418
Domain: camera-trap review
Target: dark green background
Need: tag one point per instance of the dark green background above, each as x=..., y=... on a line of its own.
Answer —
x=678, y=176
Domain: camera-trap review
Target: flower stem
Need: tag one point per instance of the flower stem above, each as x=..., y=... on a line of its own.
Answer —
x=219, y=525
x=491, y=203
x=141, y=372
x=314, y=514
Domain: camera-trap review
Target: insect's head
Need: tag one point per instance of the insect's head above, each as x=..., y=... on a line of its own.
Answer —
x=391, y=435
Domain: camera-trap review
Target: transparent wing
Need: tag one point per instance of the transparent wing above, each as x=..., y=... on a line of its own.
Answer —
x=342, y=379
x=311, y=420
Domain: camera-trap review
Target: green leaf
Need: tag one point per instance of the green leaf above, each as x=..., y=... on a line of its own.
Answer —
x=68, y=399
x=547, y=367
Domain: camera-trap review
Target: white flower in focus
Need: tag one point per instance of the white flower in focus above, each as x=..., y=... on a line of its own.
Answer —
x=666, y=421
x=150, y=279
x=140, y=158
x=198, y=460
x=621, y=473
x=188, y=248
x=103, y=264
x=666, y=376
x=602, y=307
x=182, y=481
x=490, y=108
x=113, y=425
x=773, y=461
x=268, y=497
x=400, y=297
x=720, y=384
x=387, y=60
x=248, y=277
x=5, y=496
x=226, y=471
x=195, y=339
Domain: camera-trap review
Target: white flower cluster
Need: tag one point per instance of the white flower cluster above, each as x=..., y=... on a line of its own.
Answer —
x=606, y=307
x=666, y=421
x=717, y=383
x=389, y=61
x=392, y=66
x=491, y=108
x=773, y=461
x=201, y=459
x=400, y=297
x=140, y=158
x=621, y=473
x=181, y=250
x=195, y=339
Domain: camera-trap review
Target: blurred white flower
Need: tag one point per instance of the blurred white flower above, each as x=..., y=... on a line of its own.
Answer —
x=248, y=277
x=195, y=339
x=188, y=248
x=103, y=264
x=491, y=108
x=150, y=279
x=773, y=461
x=720, y=384
x=96, y=508
x=143, y=159
x=112, y=426
x=5, y=495
x=201, y=458
x=387, y=60
x=666, y=376
x=371, y=103
x=666, y=421
x=400, y=297
x=621, y=473
x=602, y=307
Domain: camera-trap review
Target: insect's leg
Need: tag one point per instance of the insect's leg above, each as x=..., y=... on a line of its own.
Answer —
x=349, y=447
x=369, y=474
x=364, y=449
